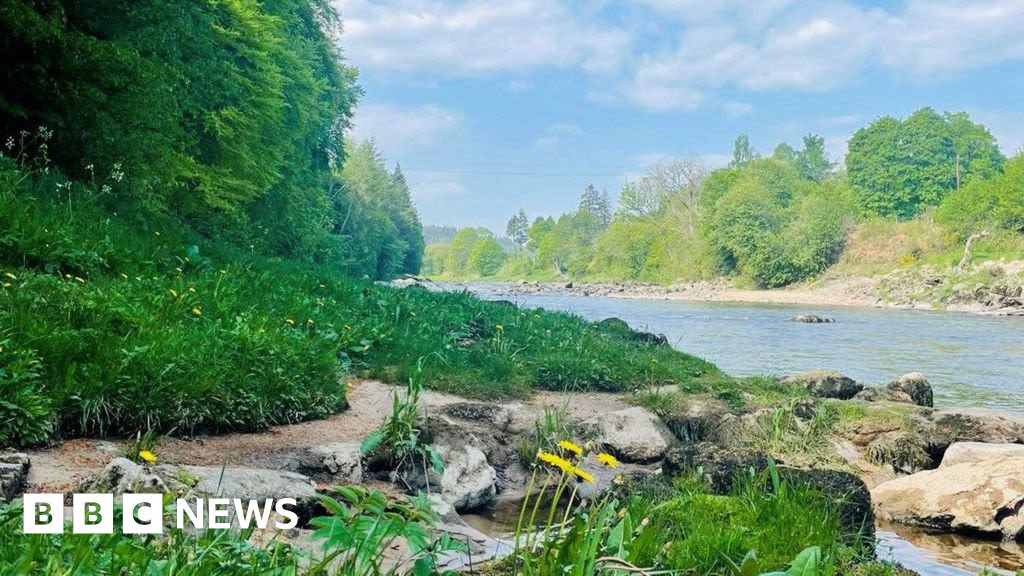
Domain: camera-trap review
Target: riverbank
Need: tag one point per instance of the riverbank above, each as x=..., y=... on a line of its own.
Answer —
x=991, y=288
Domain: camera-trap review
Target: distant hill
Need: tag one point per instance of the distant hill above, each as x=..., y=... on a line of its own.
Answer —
x=438, y=234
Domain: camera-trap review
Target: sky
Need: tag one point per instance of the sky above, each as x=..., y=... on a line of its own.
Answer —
x=495, y=106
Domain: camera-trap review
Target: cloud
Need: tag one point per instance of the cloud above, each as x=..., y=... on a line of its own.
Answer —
x=737, y=109
x=554, y=134
x=397, y=128
x=429, y=185
x=476, y=36
x=520, y=86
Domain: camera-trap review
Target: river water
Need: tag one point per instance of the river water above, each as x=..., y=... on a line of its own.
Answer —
x=970, y=360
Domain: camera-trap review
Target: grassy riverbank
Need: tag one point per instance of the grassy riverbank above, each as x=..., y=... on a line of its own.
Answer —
x=115, y=323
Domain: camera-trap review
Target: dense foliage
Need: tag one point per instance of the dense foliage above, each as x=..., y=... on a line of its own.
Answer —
x=238, y=130
x=901, y=166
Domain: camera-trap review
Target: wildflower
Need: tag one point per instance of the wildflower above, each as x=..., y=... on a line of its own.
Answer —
x=289, y=321
x=556, y=461
x=147, y=456
x=10, y=142
x=583, y=475
x=608, y=460
x=499, y=328
x=570, y=446
x=197, y=312
x=11, y=276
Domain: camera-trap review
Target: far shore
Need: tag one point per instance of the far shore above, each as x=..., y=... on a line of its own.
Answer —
x=860, y=292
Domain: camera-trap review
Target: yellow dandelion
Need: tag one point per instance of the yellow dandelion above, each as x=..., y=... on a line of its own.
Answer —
x=197, y=312
x=570, y=446
x=147, y=456
x=608, y=460
x=289, y=321
x=583, y=475
x=556, y=461
x=11, y=276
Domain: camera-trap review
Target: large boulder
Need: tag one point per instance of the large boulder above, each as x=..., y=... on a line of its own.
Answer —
x=337, y=462
x=984, y=496
x=122, y=475
x=632, y=434
x=916, y=386
x=13, y=472
x=468, y=481
x=978, y=425
x=825, y=384
x=719, y=467
x=904, y=451
x=966, y=452
x=883, y=394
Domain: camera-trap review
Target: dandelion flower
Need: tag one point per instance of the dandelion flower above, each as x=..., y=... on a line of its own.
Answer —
x=570, y=446
x=147, y=456
x=556, y=461
x=197, y=312
x=11, y=276
x=289, y=321
x=583, y=475
x=608, y=460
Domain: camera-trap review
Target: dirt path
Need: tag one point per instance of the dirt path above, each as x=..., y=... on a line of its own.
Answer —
x=62, y=467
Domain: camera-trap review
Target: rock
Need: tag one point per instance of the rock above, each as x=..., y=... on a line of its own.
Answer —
x=984, y=497
x=720, y=467
x=916, y=386
x=699, y=421
x=490, y=414
x=13, y=472
x=812, y=319
x=468, y=480
x=825, y=384
x=617, y=326
x=966, y=452
x=441, y=507
x=977, y=425
x=248, y=484
x=905, y=452
x=122, y=475
x=847, y=490
x=606, y=478
x=342, y=462
x=878, y=394
x=631, y=434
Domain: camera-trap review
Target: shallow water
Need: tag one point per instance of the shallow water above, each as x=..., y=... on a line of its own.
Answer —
x=970, y=360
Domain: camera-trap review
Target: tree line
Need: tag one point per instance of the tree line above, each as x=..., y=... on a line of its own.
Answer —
x=238, y=131
x=770, y=220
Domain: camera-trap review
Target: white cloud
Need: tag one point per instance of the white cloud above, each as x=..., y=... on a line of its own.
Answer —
x=397, y=128
x=737, y=109
x=429, y=185
x=476, y=36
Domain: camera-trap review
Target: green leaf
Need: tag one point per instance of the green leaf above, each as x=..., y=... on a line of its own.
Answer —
x=371, y=442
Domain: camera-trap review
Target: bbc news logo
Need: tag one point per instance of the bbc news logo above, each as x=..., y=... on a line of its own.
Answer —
x=145, y=513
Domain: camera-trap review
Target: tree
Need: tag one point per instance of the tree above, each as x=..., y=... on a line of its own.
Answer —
x=784, y=152
x=812, y=163
x=675, y=183
x=517, y=227
x=742, y=151
x=597, y=203
x=899, y=167
x=487, y=256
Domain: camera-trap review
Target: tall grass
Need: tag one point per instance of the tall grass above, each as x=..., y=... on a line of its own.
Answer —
x=115, y=321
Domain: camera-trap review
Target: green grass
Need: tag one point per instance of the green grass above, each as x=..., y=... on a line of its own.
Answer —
x=115, y=321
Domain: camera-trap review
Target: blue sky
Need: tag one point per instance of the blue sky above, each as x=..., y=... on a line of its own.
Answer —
x=495, y=106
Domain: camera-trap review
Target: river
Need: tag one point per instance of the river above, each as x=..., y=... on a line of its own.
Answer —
x=970, y=360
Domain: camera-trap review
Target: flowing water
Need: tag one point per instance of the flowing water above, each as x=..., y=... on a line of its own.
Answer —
x=970, y=360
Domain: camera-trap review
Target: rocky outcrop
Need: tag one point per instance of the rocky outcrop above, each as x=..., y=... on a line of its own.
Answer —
x=615, y=325
x=903, y=450
x=337, y=462
x=13, y=472
x=633, y=434
x=825, y=384
x=812, y=319
x=983, y=496
x=488, y=414
x=978, y=425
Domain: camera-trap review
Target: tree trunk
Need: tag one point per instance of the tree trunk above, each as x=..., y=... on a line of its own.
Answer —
x=968, y=248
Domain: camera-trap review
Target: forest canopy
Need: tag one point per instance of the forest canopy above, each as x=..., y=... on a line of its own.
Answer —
x=238, y=131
